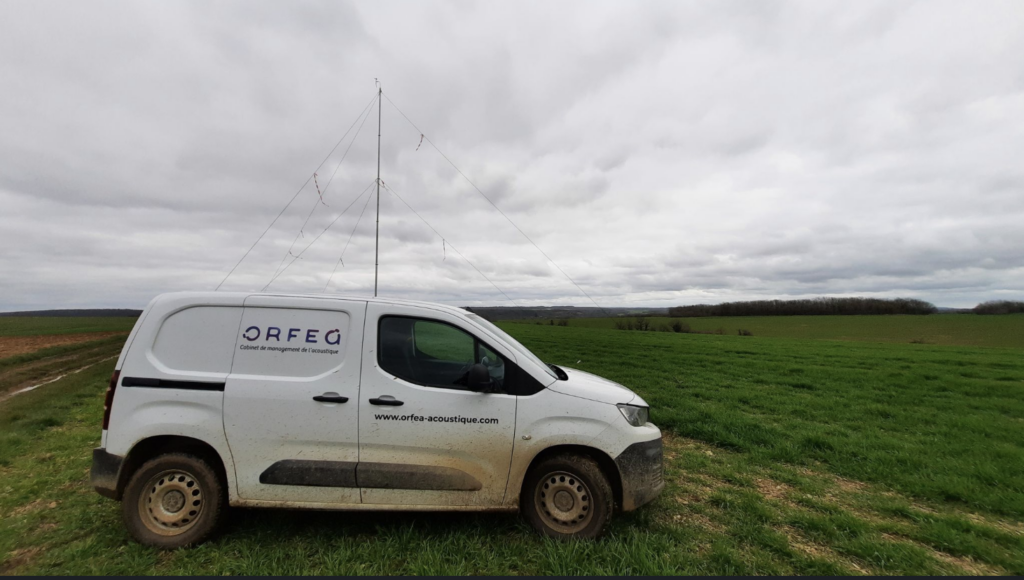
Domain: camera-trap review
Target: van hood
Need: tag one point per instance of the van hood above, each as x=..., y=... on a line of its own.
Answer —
x=592, y=387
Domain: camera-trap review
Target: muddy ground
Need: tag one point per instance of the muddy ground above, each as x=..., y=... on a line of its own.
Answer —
x=15, y=345
x=39, y=367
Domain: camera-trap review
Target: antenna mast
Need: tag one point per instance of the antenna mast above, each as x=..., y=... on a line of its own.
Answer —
x=376, y=251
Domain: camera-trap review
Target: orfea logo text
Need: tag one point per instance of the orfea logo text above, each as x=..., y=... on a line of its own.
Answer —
x=332, y=336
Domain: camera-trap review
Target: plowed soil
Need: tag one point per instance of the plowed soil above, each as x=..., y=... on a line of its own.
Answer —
x=15, y=345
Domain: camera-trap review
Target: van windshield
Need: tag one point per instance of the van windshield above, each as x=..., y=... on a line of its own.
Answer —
x=512, y=343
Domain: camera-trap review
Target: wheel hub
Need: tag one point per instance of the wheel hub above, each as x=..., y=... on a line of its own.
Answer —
x=563, y=502
x=171, y=503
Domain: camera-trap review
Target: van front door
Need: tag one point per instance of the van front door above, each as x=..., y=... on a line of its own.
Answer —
x=424, y=438
x=291, y=400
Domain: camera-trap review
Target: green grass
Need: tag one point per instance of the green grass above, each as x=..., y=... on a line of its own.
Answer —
x=443, y=342
x=941, y=423
x=942, y=329
x=36, y=325
x=788, y=457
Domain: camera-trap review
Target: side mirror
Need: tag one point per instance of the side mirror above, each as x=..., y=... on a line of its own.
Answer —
x=479, y=379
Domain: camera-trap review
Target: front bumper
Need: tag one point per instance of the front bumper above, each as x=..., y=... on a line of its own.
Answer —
x=641, y=471
x=106, y=468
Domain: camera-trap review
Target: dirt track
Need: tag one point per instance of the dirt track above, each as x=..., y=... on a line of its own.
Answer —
x=15, y=345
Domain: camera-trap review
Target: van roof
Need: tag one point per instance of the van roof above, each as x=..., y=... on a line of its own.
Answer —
x=202, y=296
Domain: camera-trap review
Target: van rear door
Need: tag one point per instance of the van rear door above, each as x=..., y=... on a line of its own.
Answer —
x=291, y=400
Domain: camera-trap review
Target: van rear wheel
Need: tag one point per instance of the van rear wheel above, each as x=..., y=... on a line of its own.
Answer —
x=567, y=496
x=172, y=501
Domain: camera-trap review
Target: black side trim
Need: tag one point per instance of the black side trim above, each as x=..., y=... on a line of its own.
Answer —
x=519, y=382
x=311, y=473
x=396, y=476
x=104, y=472
x=369, y=475
x=640, y=469
x=169, y=384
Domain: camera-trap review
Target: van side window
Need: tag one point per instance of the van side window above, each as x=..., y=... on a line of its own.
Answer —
x=434, y=354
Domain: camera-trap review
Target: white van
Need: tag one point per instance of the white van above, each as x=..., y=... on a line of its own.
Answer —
x=368, y=404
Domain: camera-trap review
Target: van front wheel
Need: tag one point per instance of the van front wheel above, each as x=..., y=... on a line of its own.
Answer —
x=173, y=501
x=567, y=496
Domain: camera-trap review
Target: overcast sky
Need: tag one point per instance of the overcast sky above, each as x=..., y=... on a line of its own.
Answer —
x=660, y=153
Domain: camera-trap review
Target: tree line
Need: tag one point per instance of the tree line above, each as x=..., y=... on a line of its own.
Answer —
x=812, y=306
x=999, y=307
x=644, y=324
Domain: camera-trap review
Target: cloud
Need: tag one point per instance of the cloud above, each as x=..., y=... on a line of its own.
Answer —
x=660, y=153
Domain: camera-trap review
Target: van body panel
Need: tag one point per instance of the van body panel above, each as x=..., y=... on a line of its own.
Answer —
x=590, y=386
x=551, y=418
x=548, y=419
x=195, y=341
x=458, y=436
x=290, y=392
x=140, y=412
x=139, y=323
x=288, y=351
x=159, y=412
x=195, y=414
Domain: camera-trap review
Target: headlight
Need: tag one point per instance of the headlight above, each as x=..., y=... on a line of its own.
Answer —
x=635, y=416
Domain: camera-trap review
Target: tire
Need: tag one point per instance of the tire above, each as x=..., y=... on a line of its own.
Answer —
x=567, y=496
x=172, y=501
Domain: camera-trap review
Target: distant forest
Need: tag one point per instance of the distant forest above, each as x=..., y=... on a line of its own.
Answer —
x=559, y=312
x=77, y=312
x=813, y=306
x=999, y=307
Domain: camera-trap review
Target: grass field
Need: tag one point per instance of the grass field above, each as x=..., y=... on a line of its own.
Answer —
x=32, y=368
x=944, y=329
x=783, y=456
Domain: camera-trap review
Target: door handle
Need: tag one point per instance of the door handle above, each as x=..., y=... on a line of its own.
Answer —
x=330, y=398
x=387, y=400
